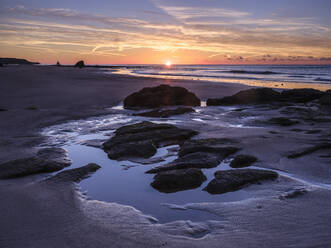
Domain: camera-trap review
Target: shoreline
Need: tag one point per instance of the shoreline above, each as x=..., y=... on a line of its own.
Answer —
x=35, y=97
x=63, y=216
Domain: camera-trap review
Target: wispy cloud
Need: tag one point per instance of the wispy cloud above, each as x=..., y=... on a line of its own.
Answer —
x=186, y=12
x=214, y=33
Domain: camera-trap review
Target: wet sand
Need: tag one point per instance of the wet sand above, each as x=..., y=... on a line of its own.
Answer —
x=56, y=215
x=40, y=96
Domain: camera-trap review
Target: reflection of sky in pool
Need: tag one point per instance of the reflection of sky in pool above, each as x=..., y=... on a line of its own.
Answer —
x=126, y=182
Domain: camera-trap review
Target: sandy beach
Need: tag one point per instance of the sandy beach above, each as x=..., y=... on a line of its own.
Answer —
x=291, y=211
x=65, y=93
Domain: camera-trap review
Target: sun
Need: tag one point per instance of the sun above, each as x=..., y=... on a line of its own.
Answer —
x=168, y=63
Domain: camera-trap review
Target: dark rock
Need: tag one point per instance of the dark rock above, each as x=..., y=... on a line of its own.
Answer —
x=2, y=109
x=251, y=96
x=298, y=130
x=309, y=150
x=16, y=61
x=192, y=160
x=177, y=180
x=165, y=113
x=136, y=149
x=1, y=65
x=47, y=160
x=282, y=121
x=266, y=95
x=313, y=131
x=31, y=108
x=74, y=175
x=80, y=64
x=205, y=153
x=58, y=63
x=242, y=160
x=141, y=140
x=301, y=95
x=160, y=96
x=232, y=180
x=294, y=193
x=325, y=100
x=221, y=146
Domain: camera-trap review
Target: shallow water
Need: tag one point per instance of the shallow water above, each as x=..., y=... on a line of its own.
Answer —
x=126, y=182
x=276, y=76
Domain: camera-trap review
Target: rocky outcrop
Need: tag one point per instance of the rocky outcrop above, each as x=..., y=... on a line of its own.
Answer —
x=251, y=96
x=282, y=121
x=178, y=180
x=141, y=140
x=80, y=64
x=46, y=160
x=16, y=61
x=232, y=180
x=222, y=146
x=326, y=99
x=205, y=153
x=301, y=95
x=160, y=96
x=58, y=63
x=159, y=113
x=266, y=95
x=242, y=160
x=74, y=175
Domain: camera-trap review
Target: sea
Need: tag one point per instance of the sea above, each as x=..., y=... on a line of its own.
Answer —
x=274, y=76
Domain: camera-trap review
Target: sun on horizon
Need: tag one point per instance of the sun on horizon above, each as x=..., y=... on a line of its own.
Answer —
x=168, y=63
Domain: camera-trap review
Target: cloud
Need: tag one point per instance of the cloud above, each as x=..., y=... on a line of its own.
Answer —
x=241, y=37
x=186, y=12
x=74, y=15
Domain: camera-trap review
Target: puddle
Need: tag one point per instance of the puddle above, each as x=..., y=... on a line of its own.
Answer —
x=126, y=182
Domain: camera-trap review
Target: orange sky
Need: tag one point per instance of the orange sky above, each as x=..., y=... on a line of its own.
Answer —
x=160, y=31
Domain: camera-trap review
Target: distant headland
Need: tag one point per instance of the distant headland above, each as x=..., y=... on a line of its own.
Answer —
x=17, y=61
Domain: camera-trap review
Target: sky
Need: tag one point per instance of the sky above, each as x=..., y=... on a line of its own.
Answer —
x=157, y=31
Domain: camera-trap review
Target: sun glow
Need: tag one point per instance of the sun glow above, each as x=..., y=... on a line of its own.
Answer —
x=168, y=63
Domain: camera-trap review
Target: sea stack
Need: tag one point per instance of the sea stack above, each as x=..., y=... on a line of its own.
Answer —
x=80, y=64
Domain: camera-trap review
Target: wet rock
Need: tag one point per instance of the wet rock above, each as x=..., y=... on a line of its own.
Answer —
x=141, y=140
x=251, y=96
x=313, y=131
x=46, y=160
x=178, y=180
x=1, y=65
x=242, y=160
x=137, y=149
x=205, y=153
x=80, y=64
x=220, y=145
x=293, y=193
x=266, y=95
x=232, y=180
x=282, y=121
x=309, y=150
x=74, y=175
x=301, y=95
x=160, y=96
x=192, y=160
x=325, y=100
x=165, y=113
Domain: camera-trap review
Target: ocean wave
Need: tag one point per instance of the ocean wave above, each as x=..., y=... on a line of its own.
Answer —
x=253, y=72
